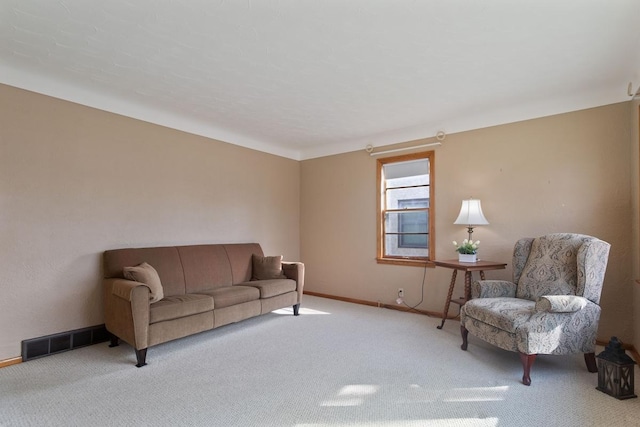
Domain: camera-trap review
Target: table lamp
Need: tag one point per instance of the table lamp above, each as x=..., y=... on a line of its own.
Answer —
x=471, y=215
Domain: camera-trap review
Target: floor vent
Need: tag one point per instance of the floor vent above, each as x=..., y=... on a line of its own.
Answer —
x=63, y=341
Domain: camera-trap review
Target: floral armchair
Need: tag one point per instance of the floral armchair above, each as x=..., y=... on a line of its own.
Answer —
x=551, y=307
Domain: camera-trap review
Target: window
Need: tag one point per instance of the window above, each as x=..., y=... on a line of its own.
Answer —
x=405, y=208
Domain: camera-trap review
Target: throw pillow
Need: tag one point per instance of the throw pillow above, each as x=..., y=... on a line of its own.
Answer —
x=267, y=267
x=560, y=303
x=146, y=274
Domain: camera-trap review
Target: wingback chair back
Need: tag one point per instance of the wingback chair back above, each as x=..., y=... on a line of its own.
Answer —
x=560, y=264
x=552, y=305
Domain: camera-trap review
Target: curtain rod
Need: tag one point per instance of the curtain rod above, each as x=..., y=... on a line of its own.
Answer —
x=403, y=149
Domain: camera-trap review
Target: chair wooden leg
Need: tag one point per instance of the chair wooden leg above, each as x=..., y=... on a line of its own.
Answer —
x=527, y=361
x=465, y=335
x=590, y=360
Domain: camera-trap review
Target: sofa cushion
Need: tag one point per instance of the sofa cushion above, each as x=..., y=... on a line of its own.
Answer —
x=205, y=267
x=240, y=257
x=267, y=267
x=175, y=307
x=227, y=296
x=273, y=287
x=146, y=274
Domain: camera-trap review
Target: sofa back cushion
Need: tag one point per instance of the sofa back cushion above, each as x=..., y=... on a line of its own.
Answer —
x=206, y=267
x=188, y=269
x=241, y=260
x=552, y=267
x=165, y=260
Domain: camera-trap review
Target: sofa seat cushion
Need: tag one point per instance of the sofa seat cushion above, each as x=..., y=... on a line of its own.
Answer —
x=177, y=306
x=273, y=287
x=227, y=296
x=507, y=314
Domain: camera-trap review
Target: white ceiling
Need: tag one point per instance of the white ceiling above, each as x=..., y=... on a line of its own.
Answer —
x=308, y=78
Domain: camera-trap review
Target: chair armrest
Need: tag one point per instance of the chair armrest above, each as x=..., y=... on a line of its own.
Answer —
x=493, y=289
x=561, y=303
x=295, y=271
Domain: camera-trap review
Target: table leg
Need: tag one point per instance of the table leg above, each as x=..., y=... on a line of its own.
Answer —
x=467, y=285
x=448, y=302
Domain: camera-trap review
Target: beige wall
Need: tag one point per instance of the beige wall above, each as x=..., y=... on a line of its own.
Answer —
x=75, y=181
x=565, y=173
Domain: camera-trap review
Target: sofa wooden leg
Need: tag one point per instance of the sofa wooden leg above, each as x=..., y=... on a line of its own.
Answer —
x=296, y=309
x=465, y=335
x=141, y=356
x=115, y=341
x=590, y=360
x=527, y=361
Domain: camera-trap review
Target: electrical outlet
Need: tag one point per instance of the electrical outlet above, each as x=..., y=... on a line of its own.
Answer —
x=400, y=292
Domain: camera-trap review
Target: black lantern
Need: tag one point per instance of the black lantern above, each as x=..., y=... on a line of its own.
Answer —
x=615, y=371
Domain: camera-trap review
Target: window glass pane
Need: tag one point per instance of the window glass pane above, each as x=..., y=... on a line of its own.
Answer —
x=407, y=233
x=413, y=222
x=412, y=241
x=407, y=181
x=407, y=222
x=398, y=198
x=413, y=203
x=406, y=169
x=393, y=248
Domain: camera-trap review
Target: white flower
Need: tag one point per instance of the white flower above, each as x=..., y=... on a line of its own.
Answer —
x=467, y=246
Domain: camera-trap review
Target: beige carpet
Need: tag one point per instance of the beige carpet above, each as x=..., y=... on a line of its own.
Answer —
x=337, y=364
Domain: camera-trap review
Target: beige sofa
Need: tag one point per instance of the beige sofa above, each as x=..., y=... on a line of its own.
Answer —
x=196, y=288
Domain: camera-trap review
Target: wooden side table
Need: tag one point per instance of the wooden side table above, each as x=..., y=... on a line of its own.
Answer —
x=468, y=268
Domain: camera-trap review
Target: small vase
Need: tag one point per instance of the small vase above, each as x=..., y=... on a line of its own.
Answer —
x=467, y=257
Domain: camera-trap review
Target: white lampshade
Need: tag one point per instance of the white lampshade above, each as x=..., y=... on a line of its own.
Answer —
x=471, y=213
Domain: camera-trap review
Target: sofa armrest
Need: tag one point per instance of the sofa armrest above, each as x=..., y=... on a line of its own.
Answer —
x=295, y=271
x=493, y=289
x=561, y=303
x=127, y=311
x=124, y=289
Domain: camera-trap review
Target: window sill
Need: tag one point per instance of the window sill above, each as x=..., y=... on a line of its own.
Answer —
x=407, y=262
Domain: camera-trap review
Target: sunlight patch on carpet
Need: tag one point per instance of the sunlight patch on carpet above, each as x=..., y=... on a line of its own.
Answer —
x=446, y=422
x=477, y=394
x=352, y=395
